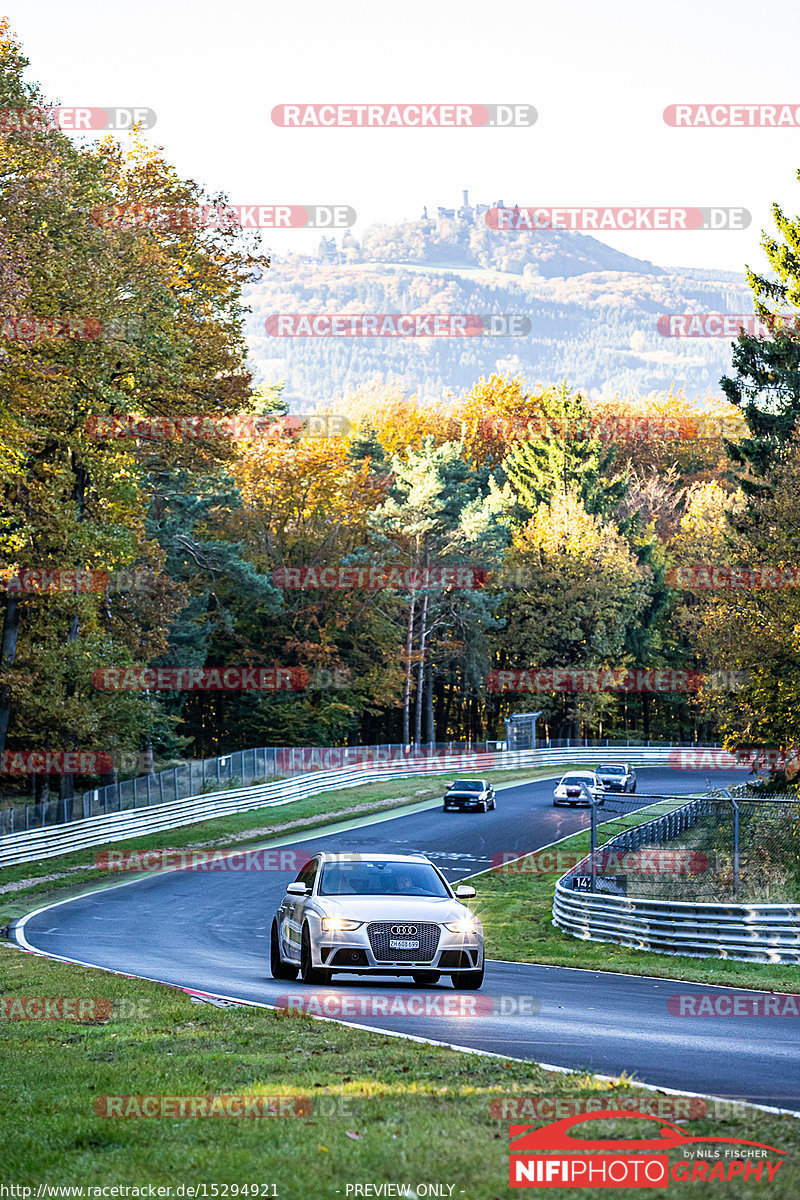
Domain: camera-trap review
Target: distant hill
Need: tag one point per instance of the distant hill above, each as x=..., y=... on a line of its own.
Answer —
x=593, y=312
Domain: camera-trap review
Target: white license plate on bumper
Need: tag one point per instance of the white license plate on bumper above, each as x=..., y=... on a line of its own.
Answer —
x=402, y=944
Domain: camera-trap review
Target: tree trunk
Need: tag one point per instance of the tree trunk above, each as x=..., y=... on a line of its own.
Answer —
x=430, y=730
x=66, y=785
x=407, y=696
x=448, y=690
x=66, y=796
x=423, y=633
x=8, y=653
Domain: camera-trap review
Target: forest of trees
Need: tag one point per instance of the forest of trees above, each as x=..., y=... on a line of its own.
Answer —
x=572, y=528
x=593, y=312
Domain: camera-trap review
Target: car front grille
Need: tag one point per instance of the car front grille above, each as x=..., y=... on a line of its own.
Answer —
x=380, y=933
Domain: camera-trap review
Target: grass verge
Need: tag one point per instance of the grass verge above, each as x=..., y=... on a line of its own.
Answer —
x=383, y=1110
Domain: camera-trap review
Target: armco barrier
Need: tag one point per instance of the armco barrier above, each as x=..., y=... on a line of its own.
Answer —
x=745, y=932
x=244, y=768
x=94, y=831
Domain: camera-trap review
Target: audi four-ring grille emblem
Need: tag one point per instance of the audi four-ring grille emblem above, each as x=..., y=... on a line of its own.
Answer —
x=404, y=929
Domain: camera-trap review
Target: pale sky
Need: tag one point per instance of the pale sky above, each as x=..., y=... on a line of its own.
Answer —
x=599, y=75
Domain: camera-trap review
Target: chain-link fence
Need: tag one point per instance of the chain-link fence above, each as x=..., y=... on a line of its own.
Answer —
x=720, y=847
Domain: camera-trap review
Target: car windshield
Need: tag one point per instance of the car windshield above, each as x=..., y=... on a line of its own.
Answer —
x=381, y=879
x=613, y=770
x=575, y=779
x=469, y=785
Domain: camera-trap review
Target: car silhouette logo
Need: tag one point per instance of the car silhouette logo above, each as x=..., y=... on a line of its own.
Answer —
x=403, y=930
x=527, y=1138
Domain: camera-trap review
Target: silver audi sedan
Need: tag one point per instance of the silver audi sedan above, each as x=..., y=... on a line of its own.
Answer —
x=377, y=914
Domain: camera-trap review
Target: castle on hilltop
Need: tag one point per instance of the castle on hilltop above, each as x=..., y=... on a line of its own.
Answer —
x=467, y=212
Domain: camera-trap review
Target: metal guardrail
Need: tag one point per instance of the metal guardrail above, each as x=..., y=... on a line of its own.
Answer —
x=745, y=932
x=242, y=768
x=36, y=844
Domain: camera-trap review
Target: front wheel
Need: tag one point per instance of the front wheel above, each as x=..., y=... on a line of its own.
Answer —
x=309, y=973
x=633, y=789
x=279, y=968
x=468, y=981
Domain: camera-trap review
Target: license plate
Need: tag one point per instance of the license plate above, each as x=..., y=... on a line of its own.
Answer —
x=402, y=944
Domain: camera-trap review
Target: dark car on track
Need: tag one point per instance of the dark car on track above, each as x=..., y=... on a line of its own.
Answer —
x=470, y=793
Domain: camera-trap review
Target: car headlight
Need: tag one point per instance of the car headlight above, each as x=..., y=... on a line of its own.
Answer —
x=339, y=925
x=464, y=925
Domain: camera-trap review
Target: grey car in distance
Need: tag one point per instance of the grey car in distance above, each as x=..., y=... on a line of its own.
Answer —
x=376, y=914
x=617, y=777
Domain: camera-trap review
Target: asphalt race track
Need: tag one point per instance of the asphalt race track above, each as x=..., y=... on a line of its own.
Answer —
x=208, y=932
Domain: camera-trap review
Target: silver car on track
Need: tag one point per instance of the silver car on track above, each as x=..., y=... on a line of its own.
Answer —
x=378, y=914
x=578, y=787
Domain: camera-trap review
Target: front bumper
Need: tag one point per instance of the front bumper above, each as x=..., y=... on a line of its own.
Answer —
x=466, y=801
x=353, y=952
x=583, y=800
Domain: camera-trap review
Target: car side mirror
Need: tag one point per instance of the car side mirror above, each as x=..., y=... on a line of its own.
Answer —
x=465, y=892
x=297, y=889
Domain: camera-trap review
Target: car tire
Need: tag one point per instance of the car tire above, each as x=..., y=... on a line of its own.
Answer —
x=633, y=789
x=279, y=968
x=425, y=978
x=309, y=973
x=468, y=981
